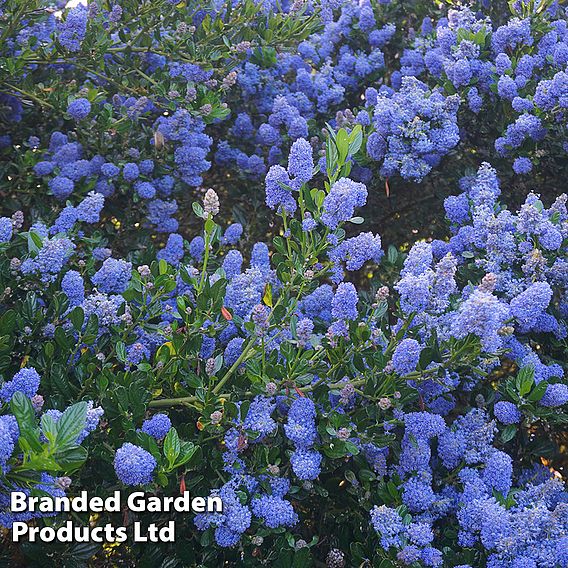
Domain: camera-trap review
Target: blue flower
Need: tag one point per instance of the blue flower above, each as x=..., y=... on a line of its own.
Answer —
x=358, y=250
x=530, y=304
x=522, y=165
x=145, y=189
x=555, y=395
x=79, y=109
x=306, y=464
x=278, y=190
x=301, y=426
x=136, y=353
x=300, y=161
x=61, y=187
x=233, y=351
x=482, y=314
x=134, y=465
x=157, y=426
x=73, y=286
x=197, y=248
x=113, y=276
x=420, y=534
x=506, y=412
x=51, y=258
x=25, y=381
x=232, y=234
x=5, y=229
x=232, y=264
x=130, y=171
x=259, y=417
x=498, y=471
x=73, y=29
x=340, y=203
x=406, y=356
x=6, y=444
x=173, y=251
x=274, y=511
x=388, y=523
x=90, y=208
x=344, y=303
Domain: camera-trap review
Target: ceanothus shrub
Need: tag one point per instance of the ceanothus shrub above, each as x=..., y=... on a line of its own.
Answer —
x=273, y=380
x=510, y=77
x=117, y=97
x=351, y=404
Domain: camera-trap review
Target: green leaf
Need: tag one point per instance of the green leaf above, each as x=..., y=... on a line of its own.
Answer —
x=525, y=380
x=351, y=448
x=342, y=143
x=35, y=242
x=121, y=351
x=318, y=196
x=7, y=322
x=102, y=383
x=77, y=318
x=70, y=425
x=49, y=349
x=209, y=225
x=537, y=392
x=355, y=139
x=48, y=427
x=267, y=296
x=71, y=458
x=393, y=491
x=172, y=447
x=62, y=339
x=23, y=410
x=508, y=433
x=392, y=254
x=92, y=327
x=188, y=450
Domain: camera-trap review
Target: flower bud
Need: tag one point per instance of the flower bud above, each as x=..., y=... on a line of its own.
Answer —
x=335, y=559
x=382, y=294
x=343, y=434
x=211, y=202
x=216, y=417
x=63, y=482
x=488, y=282
x=210, y=366
x=144, y=270
x=37, y=402
x=18, y=220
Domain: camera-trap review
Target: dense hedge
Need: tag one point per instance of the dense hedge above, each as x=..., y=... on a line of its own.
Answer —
x=193, y=293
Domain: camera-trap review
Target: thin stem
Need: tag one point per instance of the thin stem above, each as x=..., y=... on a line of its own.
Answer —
x=30, y=96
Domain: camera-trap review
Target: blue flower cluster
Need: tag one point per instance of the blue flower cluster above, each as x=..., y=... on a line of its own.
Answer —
x=413, y=128
x=517, y=254
x=158, y=426
x=424, y=393
x=67, y=170
x=519, y=65
x=277, y=103
x=134, y=465
x=301, y=431
x=267, y=506
x=475, y=499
